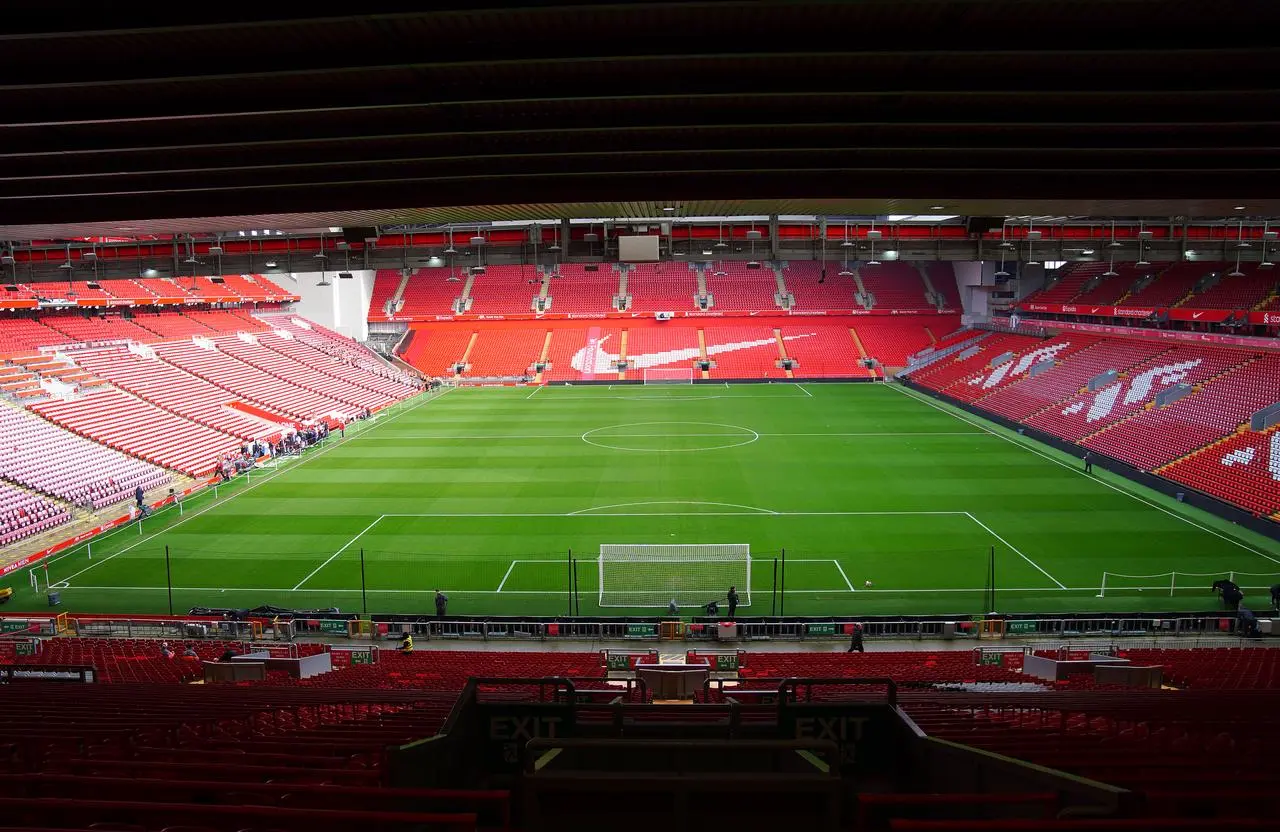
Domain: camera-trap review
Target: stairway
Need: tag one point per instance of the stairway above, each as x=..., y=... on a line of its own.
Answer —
x=782, y=348
x=397, y=298
x=542, y=357
x=861, y=350
x=863, y=297
x=471, y=344
x=784, y=299
x=930, y=293
x=622, y=301
x=702, y=348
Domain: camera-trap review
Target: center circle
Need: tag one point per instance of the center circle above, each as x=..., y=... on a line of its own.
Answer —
x=670, y=437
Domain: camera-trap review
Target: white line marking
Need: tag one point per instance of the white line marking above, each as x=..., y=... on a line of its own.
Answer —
x=924, y=400
x=847, y=582
x=504, y=577
x=534, y=393
x=1016, y=550
x=802, y=390
x=340, y=551
x=1089, y=589
x=523, y=436
x=749, y=509
x=703, y=514
x=263, y=481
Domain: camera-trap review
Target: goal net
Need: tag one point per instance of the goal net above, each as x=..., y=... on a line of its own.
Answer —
x=640, y=575
x=1173, y=583
x=668, y=375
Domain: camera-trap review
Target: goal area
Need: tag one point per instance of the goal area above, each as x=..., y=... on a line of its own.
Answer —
x=692, y=575
x=668, y=375
x=1172, y=583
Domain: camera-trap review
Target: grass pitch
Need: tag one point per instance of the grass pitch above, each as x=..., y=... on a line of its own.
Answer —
x=484, y=492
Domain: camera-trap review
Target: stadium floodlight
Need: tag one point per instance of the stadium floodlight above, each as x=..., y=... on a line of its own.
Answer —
x=691, y=575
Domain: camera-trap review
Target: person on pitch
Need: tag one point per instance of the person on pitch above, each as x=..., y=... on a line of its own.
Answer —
x=442, y=604
x=733, y=602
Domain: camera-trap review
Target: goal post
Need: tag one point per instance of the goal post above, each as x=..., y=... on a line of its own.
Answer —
x=692, y=575
x=1171, y=583
x=668, y=375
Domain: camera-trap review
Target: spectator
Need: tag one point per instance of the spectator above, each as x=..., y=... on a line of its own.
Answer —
x=673, y=608
x=190, y=653
x=733, y=602
x=442, y=604
x=227, y=655
x=165, y=650
x=406, y=642
x=855, y=639
x=1275, y=596
x=140, y=496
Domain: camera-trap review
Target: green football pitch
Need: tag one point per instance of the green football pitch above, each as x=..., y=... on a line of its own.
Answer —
x=487, y=494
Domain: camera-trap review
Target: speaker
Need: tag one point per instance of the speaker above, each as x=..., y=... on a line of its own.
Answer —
x=981, y=225
x=359, y=233
x=345, y=275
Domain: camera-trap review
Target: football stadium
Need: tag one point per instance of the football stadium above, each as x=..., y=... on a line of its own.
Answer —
x=860, y=415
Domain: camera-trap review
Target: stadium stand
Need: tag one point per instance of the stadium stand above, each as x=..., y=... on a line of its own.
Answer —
x=894, y=285
x=892, y=341
x=1240, y=469
x=1158, y=436
x=505, y=289
x=573, y=289
x=1245, y=291
x=169, y=326
x=44, y=457
x=286, y=369
x=129, y=424
x=173, y=389
x=834, y=292
x=432, y=291
x=1170, y=287
x=662, y=346
x=1068, y=281
x=1029, y=396
x=752, y=362
x=1090, y=411
x=224, y=370
x=658, y=287
x=990, y=379
x=23, y=514
x=21, y=335
x=943, y=277
x=100, y=328
x=505, y=352
x=740, y=288
x=1111, y=290
x=821, y=348
x=434, y=351
x=386, y=282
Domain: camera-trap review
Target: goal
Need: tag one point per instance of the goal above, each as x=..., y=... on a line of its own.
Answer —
x=668, y=375
x=641, y=575
x=1170, y=583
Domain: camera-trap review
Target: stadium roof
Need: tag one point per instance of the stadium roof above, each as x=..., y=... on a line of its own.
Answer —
x=219, y=117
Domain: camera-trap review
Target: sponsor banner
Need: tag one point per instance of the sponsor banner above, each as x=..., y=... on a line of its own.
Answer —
x=1265, y=318
x=1086, y=309
x=1212, y=316
x=692, y=313
x=1166, y=334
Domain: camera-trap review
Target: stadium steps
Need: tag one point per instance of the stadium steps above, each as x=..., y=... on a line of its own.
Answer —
x=542, y=356
x=782, y=347
x=702, y=350
x=933, y=340
x=622, y=353
x=862, y=352
x=466, y=353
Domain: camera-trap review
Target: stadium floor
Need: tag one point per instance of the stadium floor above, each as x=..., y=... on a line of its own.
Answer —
x=484, y=493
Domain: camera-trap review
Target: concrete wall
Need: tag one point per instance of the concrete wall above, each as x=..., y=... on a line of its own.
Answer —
x=969, y=274
x=342, y=306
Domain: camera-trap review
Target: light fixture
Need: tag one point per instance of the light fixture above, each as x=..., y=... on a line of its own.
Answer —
x=270, y=264
x=720, y=243
x=668, y=208
x=937, y=207
x=1267, y=236
x=1239, y=208
x=1087, y=252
